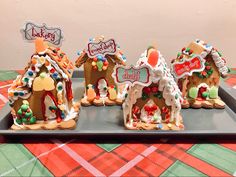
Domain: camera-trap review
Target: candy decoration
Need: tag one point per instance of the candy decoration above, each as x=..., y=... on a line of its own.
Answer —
x=153, y=58
x=112, y=93
x=43, y=75
x=150, y=109
x=42, y=60
x=99, y=65
x=91, y=94
x=105, y=63
x=34, y=61
x=40, y=45
x=104, y=68
x=206, y=72
x=93, y=63
x=100, y=57
x=213, y=92
x=25, y=114
x=193, y=92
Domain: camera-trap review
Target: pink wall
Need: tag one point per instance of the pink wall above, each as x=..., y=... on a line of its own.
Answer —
x=135, y=24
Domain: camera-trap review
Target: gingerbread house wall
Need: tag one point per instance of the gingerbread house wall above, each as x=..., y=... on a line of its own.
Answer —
x=35, y=99
x=92, y=76
x=194, y=80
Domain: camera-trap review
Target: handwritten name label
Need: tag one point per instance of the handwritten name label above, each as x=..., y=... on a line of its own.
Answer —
x=188, y=66
x=32, y=31
x=132, y=75
x=101, y=48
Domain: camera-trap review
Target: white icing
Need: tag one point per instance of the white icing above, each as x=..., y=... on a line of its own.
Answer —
x=203, y=85
x=13, y=98
x=167, y=85
x=122, y=91
x=219, y=62
x=71, y=114
x=38, y=65
x=101, y=85
x=49, y=102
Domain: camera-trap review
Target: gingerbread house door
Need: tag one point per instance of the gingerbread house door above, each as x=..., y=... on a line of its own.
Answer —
x=102, y=87
x=49, y=106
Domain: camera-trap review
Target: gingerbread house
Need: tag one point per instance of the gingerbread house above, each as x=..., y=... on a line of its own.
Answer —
x=157, y=105
x=41, y=98
x=99, y=59
x=198, y=69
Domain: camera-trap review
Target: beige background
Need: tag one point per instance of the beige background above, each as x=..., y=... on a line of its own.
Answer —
x=135, y=24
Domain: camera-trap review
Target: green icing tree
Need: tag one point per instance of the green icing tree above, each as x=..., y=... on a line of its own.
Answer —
x=25, y=114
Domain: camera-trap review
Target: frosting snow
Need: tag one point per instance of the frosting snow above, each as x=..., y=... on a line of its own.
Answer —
x=167, y=84
x=218, y=60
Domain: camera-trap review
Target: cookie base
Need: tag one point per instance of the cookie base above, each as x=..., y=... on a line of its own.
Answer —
x=101, y=102
x=46, y=125
x=208, y=104
x=153, y=126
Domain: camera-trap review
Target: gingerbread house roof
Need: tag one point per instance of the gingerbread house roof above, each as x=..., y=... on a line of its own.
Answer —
x=55, y=60
x=161, y=74
x=118, y=58
x=204, y=49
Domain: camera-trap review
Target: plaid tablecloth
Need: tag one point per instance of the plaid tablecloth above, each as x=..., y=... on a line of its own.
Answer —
x=57, y=157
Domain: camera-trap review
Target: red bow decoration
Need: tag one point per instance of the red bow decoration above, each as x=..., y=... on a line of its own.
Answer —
x=150, y=109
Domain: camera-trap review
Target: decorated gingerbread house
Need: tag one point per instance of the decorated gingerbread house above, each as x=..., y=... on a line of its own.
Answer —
x=99, y=59
x=197, y=69
x=156, y=105
x=41, y=98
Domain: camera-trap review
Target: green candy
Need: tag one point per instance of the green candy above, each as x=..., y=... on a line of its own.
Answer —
x=60, y=87
x=28, y=114
x=24, y=107
x=176, y=96
x=188, y=49
x=155, y=117
x=193, y=92
x=99, y=65
x=32, y=120
x=24, y=120
x=43, y=75
x=213, y=92
x=18, y=121
x=19, y=112
x=205, y=94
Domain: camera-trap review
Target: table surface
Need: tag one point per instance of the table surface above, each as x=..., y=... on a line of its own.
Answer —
x=73, y=157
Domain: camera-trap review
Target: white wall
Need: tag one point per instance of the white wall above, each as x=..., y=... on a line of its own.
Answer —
x=135, y=24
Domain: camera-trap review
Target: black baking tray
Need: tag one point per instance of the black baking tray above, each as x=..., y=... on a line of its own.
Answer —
x=107, y=121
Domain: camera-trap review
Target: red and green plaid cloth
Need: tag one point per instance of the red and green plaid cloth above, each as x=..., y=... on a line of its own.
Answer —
x=73, y=157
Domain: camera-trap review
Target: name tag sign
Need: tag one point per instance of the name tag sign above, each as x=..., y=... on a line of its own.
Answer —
x=188, y=66
x=132, y=75
x=101, y=48
x=32, y=31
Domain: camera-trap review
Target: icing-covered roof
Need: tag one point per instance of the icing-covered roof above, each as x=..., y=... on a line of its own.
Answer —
x=167, y=84
x=118, y=57
x=207, y=50
x=54, y=59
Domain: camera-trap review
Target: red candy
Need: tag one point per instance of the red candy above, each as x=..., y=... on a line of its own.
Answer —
x=153, y=58
x=204, y=73
x=147, y=90
x=208, y=67
x=154, y=89
x=52, y=70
